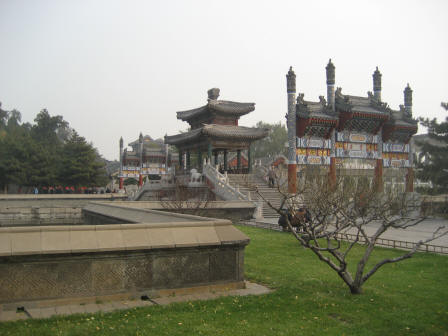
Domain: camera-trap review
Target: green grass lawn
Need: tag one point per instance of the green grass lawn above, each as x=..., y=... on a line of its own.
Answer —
x=407, y=298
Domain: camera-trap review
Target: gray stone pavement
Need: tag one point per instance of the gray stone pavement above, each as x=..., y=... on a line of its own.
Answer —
x=46, y=312
x=414, y=234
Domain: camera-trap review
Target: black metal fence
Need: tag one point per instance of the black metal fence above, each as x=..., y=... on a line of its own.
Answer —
x=399, y=244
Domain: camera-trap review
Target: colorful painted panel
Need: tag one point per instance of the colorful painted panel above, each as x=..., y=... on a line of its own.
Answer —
x=307, y=142
x=347, y=136
x=395, y=147
x=313, y=160
x=356, y=150
x=396, y=163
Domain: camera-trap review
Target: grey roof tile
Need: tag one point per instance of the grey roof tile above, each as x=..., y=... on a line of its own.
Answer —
x=221, y=106
x=219, y=131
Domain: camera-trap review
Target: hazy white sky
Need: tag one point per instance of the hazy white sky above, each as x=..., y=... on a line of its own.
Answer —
x=118, y=68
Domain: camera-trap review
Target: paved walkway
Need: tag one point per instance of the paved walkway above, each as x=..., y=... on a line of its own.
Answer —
x=414, y=234
x=46, y=312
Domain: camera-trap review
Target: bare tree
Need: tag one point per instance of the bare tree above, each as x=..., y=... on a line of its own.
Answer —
x=330, y=219
x=186, y=200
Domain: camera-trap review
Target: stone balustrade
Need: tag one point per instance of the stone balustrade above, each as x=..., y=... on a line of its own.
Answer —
x=221, y=186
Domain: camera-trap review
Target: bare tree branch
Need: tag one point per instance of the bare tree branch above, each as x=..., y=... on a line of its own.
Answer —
x=336, y=211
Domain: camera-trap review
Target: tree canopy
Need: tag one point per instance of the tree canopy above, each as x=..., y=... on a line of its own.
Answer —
x=274, y=143
x=46, y=153
x=434, y=167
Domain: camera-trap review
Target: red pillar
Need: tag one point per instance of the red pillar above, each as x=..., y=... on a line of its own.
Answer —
x=140, y=180
x=121, y=183
x=410, y=180
x=332, y=172
x=292, y=178
x=379, y=186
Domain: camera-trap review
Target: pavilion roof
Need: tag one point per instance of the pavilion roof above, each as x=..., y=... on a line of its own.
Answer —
x=400, y=127
x=219, y=131
x=363, y=105
x=147, y=140
x=220, y=106
x=314, y=110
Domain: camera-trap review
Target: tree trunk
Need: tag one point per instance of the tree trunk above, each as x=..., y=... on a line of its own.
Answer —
x=356, y=289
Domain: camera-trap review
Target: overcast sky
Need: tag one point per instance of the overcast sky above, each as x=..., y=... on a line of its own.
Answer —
x=118, y=68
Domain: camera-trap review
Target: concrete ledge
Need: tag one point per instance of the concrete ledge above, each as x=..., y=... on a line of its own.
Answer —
x=232, y=210
x=55, y=200
x=98, y=238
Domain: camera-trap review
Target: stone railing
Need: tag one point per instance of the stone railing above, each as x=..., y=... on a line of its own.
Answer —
x=167, y=180
x=221, y=186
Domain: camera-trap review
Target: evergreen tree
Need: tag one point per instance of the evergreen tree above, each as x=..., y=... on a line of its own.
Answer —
x=46, y=153
x=80, y=165
x=434, y=167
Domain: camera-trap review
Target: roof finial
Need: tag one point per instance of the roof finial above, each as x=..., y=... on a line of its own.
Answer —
x=213, y=94
x=377, y=84
x=291, y=81
x=331, y=75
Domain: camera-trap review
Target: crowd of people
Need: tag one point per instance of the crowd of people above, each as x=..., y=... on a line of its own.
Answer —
x=72, y=190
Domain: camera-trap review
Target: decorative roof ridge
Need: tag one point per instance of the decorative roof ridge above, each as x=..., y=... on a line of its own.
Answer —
x=213, y=102
x=209, y=126
x=349, y=102
x=302, y=101
x=400, y=115
x=145, y=137
x=231, y=107
x=187, y=113
x=303, y=107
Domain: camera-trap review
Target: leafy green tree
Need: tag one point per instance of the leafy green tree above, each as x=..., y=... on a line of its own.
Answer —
x=50, y=130
x=274, y=143
x=80, y=164
x=3, y=117
x=15, y=149
x=46, y=153
x=434, y=167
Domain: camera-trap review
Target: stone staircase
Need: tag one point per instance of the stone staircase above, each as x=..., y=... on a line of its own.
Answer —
x=249, y=183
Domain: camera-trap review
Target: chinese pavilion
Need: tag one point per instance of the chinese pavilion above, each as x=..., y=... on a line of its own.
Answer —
x=148, y=157
x=213, y=130
x=358, y=136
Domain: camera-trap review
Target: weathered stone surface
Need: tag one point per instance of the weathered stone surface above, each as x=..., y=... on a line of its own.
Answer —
x=56, y=200
x=47, y=262
x=222, y=265
x=180, y=270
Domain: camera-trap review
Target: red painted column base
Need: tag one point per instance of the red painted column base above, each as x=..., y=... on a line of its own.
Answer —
x=292, y=178
x=121, y=183
x=332, y=173
x=140, y=180
x=379, y=186
x=410, y=180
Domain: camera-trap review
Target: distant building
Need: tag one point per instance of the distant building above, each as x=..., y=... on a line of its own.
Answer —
x=215, y=130
x=147, y=157
x=350, y=135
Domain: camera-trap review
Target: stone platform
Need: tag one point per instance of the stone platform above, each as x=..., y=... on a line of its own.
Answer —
x=144, y=253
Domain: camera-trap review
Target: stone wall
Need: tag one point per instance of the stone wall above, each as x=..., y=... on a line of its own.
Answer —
x=20, y=210
x=19, y=216
x=155, y=252
x=144, y=272
x=55, y=200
